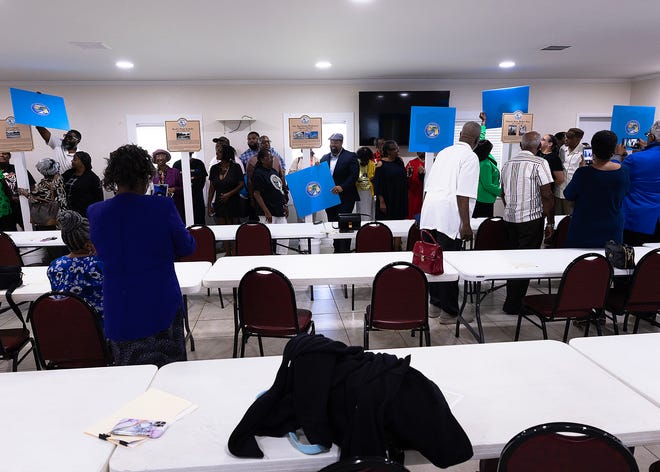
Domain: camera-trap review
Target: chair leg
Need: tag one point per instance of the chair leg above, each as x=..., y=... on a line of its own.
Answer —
x=636, y=327
x=586, y=327
x=208, y=292
x=243, y=343
x=599, y=331
x=567, y=327
x=518, y=328
x=427, y=335
x=615, y=325
x=544, y=329
x=222, y=302
x=352, y=297
x=311, y=292
x=345, y=291
x=625, y=322
x=261, y=346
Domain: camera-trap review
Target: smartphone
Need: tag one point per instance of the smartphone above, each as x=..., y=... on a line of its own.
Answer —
x=587, y=154
x=160, y=190
x=630, y=143
x=137, y=427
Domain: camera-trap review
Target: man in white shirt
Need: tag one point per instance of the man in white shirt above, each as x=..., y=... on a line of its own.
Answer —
x=571, y=157
x=527, y=197
x=64, y=148
x=450, y=195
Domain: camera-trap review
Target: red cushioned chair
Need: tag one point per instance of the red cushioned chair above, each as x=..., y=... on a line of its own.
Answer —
x=9, y=253
x=68, y=332
x=399, y=300
x=267, y=308
x=581, y=296
x=14, y=340
x=372, y=237
x=566, y=447
x=491, y=235
x=642, y=297
x=414, y=235
x=253, y=239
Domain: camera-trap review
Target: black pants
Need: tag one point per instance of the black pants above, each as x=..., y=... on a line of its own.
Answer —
x=483, y=210
x=637, y=239
x=527, y=235
x=341, y=245
x=445, y=294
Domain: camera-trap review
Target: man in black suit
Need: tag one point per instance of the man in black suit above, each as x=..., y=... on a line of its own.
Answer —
x=344, y=168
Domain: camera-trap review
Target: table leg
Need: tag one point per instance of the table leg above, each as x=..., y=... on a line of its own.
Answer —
x=479, y=333
x=186, y=323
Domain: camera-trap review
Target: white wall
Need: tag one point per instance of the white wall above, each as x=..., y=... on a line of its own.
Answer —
x=99, y=110
x=647, y=93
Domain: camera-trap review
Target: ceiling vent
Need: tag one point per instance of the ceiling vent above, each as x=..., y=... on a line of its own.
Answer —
x=89, y=44
x=555, y=48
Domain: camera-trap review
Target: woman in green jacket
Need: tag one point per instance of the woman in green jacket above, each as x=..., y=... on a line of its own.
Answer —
x=489, y=181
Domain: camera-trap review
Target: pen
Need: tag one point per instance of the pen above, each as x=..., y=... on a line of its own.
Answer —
x=52, y=238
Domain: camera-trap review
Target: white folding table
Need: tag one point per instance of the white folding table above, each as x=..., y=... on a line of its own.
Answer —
x=310, y=269
x=45, y=413
x=399, y=229
x=51, y=238
x=494, y=390
x=306, y=231
x=484, y=266
x=631, y=358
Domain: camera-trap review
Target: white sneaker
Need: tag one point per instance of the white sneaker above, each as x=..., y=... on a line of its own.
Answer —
x=447, y=319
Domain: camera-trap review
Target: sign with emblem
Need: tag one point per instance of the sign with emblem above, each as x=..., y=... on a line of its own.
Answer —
x=631, y=121
x=311, y=189
x=431, y=128
x=15, y=137
x=305, y=132
x=515, y=124
x=38, y=109
x=505, y=100
x=183, y=135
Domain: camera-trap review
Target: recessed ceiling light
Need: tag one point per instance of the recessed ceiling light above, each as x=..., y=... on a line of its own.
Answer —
x=507, y=64
x=323, y=65
x=124, y=64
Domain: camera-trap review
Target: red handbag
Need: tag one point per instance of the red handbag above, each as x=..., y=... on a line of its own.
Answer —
x=428, y=256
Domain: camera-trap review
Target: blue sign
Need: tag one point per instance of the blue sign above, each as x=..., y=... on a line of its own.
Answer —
x=631, y=122
x=310, y=189
x=38, y=109
x=431, y=128
x=504, y=100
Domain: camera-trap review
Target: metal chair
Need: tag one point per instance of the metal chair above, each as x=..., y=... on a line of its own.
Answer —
x=566, y=447
x=68, y=332
x=491, y=235
x=372, y=237
x=13, y=340
x=267, y=308
x=399, y=300
x=253, y=239
x=205, y=251
x=641, y=298
x=581, y=295
x=365, y=464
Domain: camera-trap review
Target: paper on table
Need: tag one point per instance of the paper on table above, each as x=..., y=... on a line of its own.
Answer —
x=153, y=404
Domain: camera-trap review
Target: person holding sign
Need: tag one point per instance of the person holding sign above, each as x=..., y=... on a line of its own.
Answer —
x=64, y=148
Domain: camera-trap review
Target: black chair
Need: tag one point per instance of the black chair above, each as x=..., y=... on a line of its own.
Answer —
x=365, y=464
x=267, y=308
x=68, y=332
x=372, y=237
x=566, y=447
x=641, y=298
x=399, y=300
x=581, y=296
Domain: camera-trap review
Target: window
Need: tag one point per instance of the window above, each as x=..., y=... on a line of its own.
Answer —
x=494, y=135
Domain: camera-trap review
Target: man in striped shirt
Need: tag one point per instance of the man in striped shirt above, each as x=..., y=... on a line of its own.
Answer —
x=527, y=197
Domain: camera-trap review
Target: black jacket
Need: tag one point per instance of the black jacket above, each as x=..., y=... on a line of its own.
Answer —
x=366, y=403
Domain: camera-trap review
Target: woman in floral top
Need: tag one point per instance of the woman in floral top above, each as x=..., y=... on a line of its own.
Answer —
x=80, y=272
x=50, y=188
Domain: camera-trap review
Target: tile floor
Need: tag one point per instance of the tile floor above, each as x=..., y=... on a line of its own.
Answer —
x=212, y=328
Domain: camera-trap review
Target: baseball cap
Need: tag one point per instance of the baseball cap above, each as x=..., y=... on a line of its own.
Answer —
x=336, y=137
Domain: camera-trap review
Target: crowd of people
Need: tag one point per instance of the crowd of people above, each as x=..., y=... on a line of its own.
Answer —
x=122, y=249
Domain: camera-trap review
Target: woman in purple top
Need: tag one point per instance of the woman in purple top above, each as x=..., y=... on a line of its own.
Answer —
x=169, y=176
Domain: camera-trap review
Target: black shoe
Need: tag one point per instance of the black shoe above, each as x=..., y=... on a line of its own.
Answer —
x=510, y=311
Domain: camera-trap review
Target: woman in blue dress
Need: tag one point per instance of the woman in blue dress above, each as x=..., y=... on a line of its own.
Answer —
x=81, y=271
x=598, y=191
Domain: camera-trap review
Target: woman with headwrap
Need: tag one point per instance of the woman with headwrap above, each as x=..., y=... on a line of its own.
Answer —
x=82, y=186
x=47, y=192
x=80, y=271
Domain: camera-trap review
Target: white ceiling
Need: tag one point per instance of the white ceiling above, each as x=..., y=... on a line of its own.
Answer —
x=282, y=39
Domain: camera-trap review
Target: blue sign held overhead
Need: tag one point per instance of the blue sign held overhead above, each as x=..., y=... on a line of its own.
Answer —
x=311, y=189
x=505, y=100
x=431, y=128
x=38, y=109
x=631, y=121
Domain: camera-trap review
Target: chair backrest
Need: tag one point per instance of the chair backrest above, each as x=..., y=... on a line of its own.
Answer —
x=68, y=332
x=414, y=235
x=491, y=235
x=374, y=237
x=561, y=232
x=400, y=295
x=643, y=294
x=253, y=239
x=583, y=286
x=365, y=464
x=205, y=250
x=267, y=302
x=566, y=447
x=9, y=253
